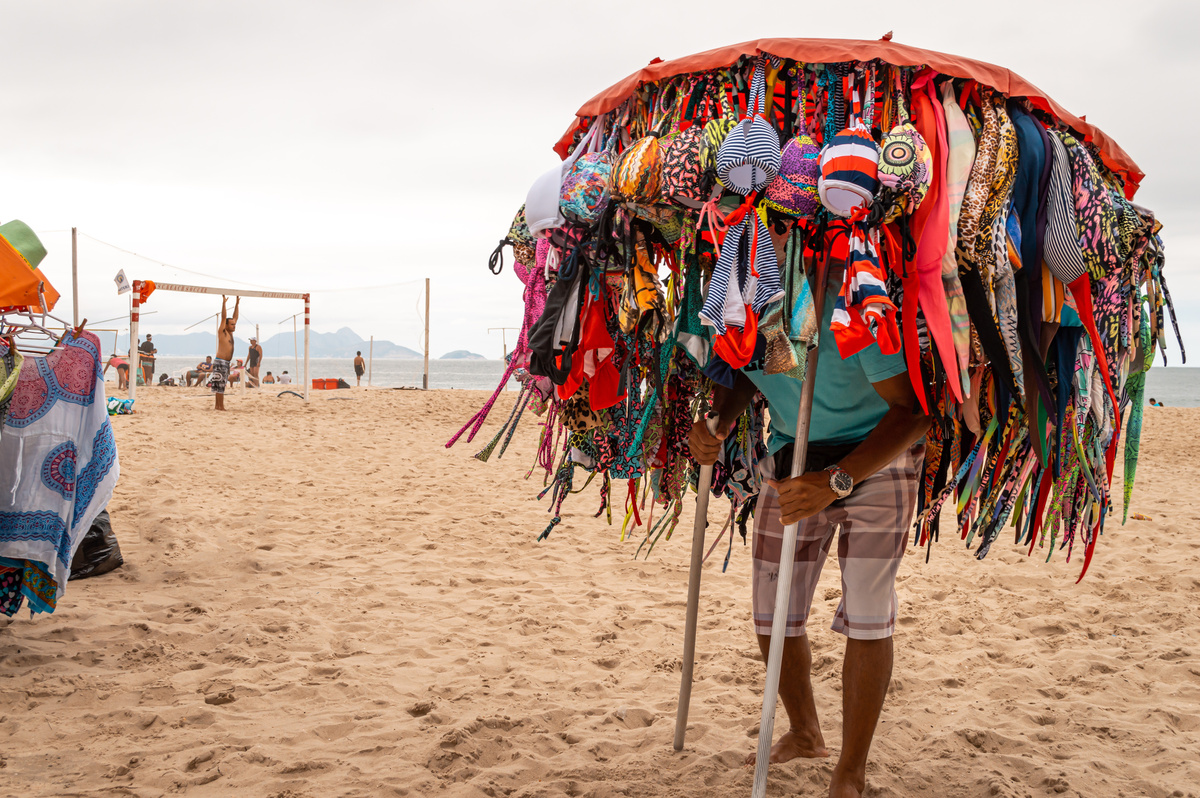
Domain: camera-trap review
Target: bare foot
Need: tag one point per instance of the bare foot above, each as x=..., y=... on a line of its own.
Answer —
x=846, y=786
x=794, y=744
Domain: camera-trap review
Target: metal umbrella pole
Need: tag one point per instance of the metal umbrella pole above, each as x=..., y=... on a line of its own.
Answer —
x=704, y=491
x=766, y=727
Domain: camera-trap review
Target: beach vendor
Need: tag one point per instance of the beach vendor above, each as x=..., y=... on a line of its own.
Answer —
x=979, y=259
x=863, y=468
x=225, y=329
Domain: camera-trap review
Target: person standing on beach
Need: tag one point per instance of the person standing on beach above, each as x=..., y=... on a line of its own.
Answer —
x=146, y=356
x=225, y=329
x=252, y=363
x=360, y=368
x=864, y=461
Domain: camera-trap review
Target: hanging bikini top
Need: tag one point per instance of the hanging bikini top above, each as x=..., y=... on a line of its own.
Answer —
x=749, y=157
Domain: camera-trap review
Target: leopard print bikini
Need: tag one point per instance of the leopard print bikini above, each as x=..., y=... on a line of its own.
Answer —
x=980, y=182
x=1004, y=175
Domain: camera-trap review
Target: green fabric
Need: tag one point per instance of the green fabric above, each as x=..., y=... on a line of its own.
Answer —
x=846, y=407
x=25, y=241
x=693, y=337
x=1136, y=389
x=8, y=380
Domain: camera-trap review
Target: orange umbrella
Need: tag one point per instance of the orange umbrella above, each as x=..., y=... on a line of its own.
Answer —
x=20, y=278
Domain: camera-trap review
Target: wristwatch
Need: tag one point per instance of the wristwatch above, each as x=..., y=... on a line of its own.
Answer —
x=841, y=483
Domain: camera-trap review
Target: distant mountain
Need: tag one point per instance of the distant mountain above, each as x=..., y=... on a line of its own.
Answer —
x=461, y=354
x=343, y=343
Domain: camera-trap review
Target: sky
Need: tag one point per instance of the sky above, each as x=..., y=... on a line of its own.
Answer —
x=354, y=149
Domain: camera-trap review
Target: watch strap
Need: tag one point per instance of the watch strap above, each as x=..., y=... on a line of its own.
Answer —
x=834, y=470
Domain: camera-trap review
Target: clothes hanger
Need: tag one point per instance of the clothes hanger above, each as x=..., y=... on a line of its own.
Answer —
x=36, y=325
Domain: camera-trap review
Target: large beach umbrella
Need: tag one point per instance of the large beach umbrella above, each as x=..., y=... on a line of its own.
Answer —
x=831, y=51
x=999, y=226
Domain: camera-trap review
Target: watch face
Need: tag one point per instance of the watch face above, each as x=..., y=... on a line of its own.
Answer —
x=841, y=483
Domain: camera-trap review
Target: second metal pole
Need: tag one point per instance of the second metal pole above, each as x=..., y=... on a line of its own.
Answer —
x=703, y=491
x=783, y=590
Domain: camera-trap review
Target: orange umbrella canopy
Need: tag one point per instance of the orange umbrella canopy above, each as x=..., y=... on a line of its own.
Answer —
x=830, y=51
x=20, y=279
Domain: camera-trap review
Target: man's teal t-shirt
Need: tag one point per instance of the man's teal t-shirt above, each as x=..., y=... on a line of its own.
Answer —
x=846, y=407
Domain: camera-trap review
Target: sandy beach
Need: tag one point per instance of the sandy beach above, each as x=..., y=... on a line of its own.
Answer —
x=321, y=600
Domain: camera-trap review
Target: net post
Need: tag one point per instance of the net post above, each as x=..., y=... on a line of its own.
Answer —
x=307, y=381
x=425, y=379
x=134, y=365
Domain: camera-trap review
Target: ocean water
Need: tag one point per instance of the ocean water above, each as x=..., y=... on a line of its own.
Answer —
x=461, y=374
x=1175, y=386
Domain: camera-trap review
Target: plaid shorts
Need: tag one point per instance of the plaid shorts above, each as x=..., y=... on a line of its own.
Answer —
x=220, y=375
x=874, y=524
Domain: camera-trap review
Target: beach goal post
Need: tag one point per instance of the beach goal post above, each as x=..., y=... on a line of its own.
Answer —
x=143, y=288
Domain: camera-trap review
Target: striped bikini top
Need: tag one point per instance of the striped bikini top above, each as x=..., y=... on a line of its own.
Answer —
x=748, y=159
x=849, y=166
x=1061, y=244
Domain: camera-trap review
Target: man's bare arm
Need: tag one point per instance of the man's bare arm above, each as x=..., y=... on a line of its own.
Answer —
x=221, y=324
x=237, y=304
x=903, y=425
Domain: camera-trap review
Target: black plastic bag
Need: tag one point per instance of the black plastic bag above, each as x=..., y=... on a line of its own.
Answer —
x=99, y=551
x=342, y=383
